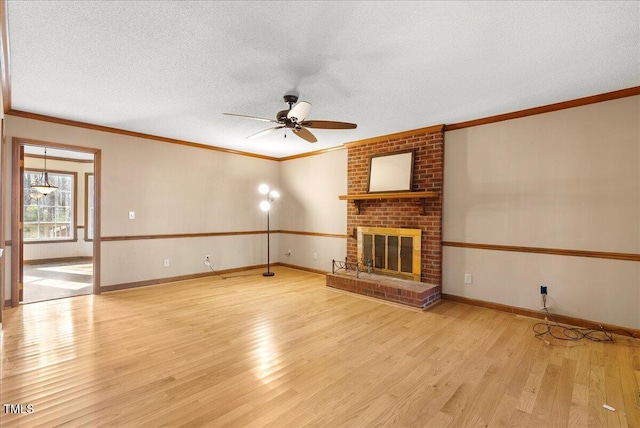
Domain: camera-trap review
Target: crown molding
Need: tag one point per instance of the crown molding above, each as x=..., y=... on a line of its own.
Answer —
x=403, y=134
x=101, y=128
x=607, y=96
x=314, y=153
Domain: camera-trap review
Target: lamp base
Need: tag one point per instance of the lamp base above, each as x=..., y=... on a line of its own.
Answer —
x=268, y=274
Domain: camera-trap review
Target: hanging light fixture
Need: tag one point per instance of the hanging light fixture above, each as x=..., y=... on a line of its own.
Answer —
x=43, y=186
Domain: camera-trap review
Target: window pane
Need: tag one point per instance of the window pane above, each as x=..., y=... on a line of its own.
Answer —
x=30, y=231
x=47, y=201
x=30, y=179
x=89, y=221
x=62, y=230
x=58, y=197
x=63, y=214
x=63, y=185
x=46, y=213
x=90, y=227
x=30, y=213
x=44, y=231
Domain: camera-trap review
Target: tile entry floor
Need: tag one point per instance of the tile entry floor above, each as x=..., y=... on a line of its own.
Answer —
x=56, y=280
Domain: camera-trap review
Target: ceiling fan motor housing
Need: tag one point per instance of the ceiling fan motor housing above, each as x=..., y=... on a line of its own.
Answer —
x=290, y=99
x=282, y=117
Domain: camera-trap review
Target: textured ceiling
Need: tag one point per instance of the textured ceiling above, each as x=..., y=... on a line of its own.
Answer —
x=171, y=68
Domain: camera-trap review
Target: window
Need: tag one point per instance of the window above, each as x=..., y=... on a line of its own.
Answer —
x=49, y=217
x=88, y=203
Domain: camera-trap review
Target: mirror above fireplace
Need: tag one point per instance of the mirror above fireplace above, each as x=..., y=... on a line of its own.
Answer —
x=391, y=172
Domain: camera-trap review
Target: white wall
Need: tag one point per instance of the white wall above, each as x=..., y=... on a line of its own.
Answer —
x=141, y=260
x=311, y=186
x=569, y=180
x=173, y=189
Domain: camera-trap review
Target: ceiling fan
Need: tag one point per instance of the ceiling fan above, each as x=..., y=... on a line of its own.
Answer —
x=294, y=119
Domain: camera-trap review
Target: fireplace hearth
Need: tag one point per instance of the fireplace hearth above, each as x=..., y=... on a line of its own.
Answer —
x=397, y=290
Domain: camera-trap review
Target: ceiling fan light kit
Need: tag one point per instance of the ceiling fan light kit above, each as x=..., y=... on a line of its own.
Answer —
x=294, y=118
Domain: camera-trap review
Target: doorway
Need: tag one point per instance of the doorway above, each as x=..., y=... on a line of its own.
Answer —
x=55, y=235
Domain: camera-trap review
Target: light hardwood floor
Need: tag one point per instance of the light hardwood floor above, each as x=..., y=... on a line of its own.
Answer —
x=287, y=351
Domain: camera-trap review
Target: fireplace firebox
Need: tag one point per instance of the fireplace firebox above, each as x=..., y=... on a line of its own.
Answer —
x=390, y=251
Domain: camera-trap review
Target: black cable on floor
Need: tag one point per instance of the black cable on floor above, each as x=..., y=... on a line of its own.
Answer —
x=563, y=332
x=217, y=273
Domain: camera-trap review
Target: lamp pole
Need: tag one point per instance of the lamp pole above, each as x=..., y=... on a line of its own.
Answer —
x=268, y=272
x=265, y=205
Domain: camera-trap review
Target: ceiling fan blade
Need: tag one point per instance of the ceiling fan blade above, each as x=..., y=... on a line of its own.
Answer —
x=305, y=134
x=251, y=117
x=299, y=111
x=265, y=132
x=327, y=124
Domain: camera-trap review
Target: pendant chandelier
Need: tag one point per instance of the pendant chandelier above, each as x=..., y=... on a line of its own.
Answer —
x=43, y=185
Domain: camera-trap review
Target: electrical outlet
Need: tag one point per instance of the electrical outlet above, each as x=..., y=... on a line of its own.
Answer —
x=545, y=304
x=166, y=262
x=207, y=261
x=468, y=279
x=288, y=253
x=315, y=256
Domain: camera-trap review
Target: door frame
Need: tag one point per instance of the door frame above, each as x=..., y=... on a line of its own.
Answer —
x=3, y=180
x=17, y=202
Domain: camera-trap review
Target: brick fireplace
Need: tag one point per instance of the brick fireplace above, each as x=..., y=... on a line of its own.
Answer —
x=406, y=212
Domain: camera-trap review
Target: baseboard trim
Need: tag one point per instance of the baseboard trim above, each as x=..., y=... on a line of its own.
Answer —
x=307, y=269
x=578, y=322
x=158, y=281
x=58, y=260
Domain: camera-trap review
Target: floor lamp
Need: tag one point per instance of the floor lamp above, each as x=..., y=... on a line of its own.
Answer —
x=270, y=195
